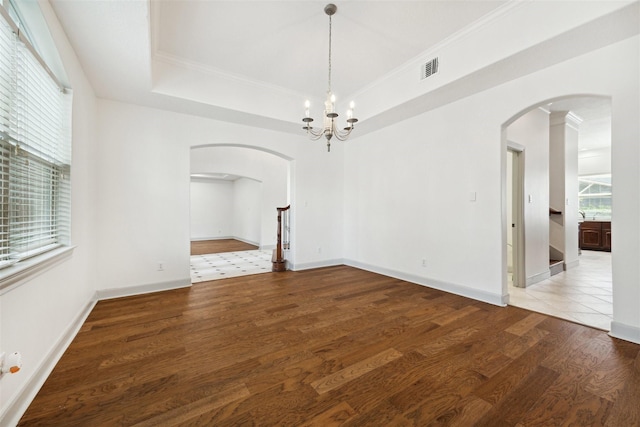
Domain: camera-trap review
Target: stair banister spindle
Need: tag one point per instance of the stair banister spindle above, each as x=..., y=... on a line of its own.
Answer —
x=278, y=260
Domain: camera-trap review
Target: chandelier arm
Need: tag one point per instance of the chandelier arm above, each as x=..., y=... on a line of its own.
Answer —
x=341, y=135
x=315, y=134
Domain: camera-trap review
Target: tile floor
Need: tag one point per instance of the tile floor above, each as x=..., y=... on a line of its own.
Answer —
x=582, y=294
x=229, y=264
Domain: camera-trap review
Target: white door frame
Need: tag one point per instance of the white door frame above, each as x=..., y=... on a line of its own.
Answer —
x=519, y=274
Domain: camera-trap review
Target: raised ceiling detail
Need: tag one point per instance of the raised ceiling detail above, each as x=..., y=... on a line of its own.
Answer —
x=252, y=62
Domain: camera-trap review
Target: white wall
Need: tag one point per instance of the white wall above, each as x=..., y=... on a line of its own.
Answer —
x=532, y=131
x=38, y=317
x=407, y=186
x=563, y=181
x=408, y=198
x=594, y=162
x=144, y=209
x=271, y=170
x=247, y=207
x=211, y=209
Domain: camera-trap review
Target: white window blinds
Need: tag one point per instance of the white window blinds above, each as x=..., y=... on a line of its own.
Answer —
x=34, y=153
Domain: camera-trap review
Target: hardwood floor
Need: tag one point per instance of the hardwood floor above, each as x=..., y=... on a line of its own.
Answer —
x=201, y=247
x=334, y=346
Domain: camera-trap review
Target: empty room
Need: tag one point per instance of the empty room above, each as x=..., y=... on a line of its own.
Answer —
x=393, y=178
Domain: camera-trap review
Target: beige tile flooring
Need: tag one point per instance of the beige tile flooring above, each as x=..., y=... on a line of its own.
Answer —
x=581, y=294
x=229, y=264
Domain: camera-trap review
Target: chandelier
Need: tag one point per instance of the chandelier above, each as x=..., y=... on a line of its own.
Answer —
x=329, y=127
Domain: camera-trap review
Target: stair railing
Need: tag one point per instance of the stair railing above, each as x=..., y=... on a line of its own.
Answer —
x=279, y=263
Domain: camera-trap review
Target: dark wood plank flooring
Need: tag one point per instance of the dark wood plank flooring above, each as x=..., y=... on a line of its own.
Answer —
x=201, y=247
x=334, y=346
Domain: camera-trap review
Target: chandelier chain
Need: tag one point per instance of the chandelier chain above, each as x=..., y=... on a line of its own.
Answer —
x=329, y=53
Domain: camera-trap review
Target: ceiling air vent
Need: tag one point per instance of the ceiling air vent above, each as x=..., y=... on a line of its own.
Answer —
x=429, y=68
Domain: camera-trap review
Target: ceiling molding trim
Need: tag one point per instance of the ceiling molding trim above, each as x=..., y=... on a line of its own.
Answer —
x=465, y=32
x=565, y=118
x=544, y=109
x=154, y=26
x=198, y=67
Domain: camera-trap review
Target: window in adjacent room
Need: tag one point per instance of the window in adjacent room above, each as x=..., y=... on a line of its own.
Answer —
x=594, y=194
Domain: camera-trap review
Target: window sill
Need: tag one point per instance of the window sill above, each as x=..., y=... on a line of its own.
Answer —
x=18, y=274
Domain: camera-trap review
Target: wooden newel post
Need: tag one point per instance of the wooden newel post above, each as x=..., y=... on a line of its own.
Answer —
x=278, y=261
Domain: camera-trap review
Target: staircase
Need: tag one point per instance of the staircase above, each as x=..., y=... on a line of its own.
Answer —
x=556, y=266
x=556, y=263
x=278, y=261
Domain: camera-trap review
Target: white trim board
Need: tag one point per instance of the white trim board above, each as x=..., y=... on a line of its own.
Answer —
x=21, y=401
x=488, y=297
x=532, y=280
x=315, y=264
x=204, y=239
x=25, y=396
x=625, y=332
x=105, y=294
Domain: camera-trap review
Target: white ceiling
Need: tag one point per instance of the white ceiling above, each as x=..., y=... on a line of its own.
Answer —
x=285, y=43
x=279, y=45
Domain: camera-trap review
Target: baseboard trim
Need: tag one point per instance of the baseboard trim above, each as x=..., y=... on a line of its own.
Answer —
x=316, y=264
x=23, y=399
x=572, y=264
x=625, y=332
x=249, y=242
x=267, y=247
x=104, y=294
x=488, y=297
x=204, y=239
x=532, y=280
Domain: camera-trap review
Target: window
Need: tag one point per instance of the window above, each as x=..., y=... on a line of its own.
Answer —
x=595, y=196
x=34, y=152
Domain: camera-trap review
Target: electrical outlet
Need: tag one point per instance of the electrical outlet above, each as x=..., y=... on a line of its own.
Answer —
x=424, y=262
x=319, y=250
x=160, y=266
x=10, y=364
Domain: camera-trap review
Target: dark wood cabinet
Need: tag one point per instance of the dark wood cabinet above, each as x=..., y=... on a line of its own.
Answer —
x=595, y=235
x=606, y=236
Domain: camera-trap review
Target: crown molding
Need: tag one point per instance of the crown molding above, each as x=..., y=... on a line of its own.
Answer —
x=199, y=67
x=461, y=34
x=565, y=118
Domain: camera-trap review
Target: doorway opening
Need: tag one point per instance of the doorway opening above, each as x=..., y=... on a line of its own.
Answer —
x=235, y=191
x=516, y=275
x=582, y=291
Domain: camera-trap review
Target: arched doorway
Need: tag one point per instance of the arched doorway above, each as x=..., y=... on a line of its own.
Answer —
x=235, y=190
x=566, y=141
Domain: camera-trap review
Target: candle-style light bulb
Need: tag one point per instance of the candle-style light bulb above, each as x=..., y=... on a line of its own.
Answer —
x=352, y=105
x=307, y=104
x=328, y=104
